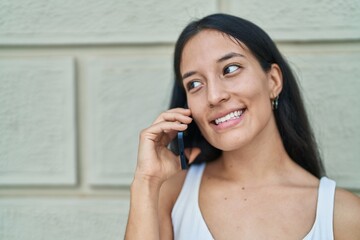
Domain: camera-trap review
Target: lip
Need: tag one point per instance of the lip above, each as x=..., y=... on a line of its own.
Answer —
x=229, y=123
x=224, y=113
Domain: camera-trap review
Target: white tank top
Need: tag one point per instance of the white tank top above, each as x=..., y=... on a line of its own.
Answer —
x=188, y=222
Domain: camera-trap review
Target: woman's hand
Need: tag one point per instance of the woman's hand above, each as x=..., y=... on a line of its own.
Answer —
x=155, y=161
x=155, y=164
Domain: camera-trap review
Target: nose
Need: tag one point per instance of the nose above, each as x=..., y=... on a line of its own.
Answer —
x=216, y=92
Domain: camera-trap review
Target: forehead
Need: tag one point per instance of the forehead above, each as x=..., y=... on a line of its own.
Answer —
x=210, y=45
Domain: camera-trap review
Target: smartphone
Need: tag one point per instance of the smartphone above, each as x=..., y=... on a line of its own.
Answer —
x=183, y=160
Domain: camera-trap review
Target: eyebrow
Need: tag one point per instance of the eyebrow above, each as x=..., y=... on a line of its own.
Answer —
x=229, y=55
x=223, y=58
x=188, y=74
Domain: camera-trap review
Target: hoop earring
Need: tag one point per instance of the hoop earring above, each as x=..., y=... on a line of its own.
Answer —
x=275, y=103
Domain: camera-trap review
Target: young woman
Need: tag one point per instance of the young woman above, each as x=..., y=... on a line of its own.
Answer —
x=255, y=169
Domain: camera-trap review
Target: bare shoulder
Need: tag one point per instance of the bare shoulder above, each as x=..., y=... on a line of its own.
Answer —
x=346, y=215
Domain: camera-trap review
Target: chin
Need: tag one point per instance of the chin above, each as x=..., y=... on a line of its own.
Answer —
x=228, y=145
x=229, y=148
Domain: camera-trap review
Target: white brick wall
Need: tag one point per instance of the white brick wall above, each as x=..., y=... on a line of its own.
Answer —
x=126, y=93
x=79, y=79
x=94, y=21
x=329, y=77
x=37, y=124
x=62, y=219
x=305, y=20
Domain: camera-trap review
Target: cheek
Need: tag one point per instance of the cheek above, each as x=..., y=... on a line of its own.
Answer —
x=253, y=88
x=198, y=112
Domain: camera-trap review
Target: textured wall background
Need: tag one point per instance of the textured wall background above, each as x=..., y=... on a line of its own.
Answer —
x=79, y=79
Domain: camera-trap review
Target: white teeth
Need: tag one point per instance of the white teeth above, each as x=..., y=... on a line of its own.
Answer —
x=232, y=115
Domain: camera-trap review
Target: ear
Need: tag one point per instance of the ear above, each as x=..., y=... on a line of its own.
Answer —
x=275, y=80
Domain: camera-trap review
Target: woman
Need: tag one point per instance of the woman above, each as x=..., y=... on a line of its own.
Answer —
x=255, y=171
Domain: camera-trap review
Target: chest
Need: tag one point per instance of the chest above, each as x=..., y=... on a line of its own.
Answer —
x=270, y=212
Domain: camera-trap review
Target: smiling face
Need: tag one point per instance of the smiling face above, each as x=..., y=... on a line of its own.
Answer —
x=227, y=90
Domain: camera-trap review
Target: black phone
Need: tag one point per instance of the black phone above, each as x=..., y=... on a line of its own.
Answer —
x=183, y=160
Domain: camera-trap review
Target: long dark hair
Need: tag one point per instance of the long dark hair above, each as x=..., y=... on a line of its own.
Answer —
x=291, y=118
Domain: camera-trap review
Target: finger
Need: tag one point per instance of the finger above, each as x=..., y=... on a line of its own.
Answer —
x=179, y=110
x=176, y=114
x=173, y=117
x=156, y=131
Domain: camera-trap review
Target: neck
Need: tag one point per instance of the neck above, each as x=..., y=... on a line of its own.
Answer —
x=263, y=160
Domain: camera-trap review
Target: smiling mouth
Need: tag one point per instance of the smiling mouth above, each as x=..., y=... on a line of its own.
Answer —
x=230, y=116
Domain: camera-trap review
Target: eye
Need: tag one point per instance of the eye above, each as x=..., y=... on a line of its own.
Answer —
x=193, y=84
x=230, y=69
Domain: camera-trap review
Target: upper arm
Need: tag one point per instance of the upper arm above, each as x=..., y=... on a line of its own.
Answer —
x=346, y=215
x=169, y=192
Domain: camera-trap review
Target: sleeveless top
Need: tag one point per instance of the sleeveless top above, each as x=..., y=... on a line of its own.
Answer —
x=188, y=222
